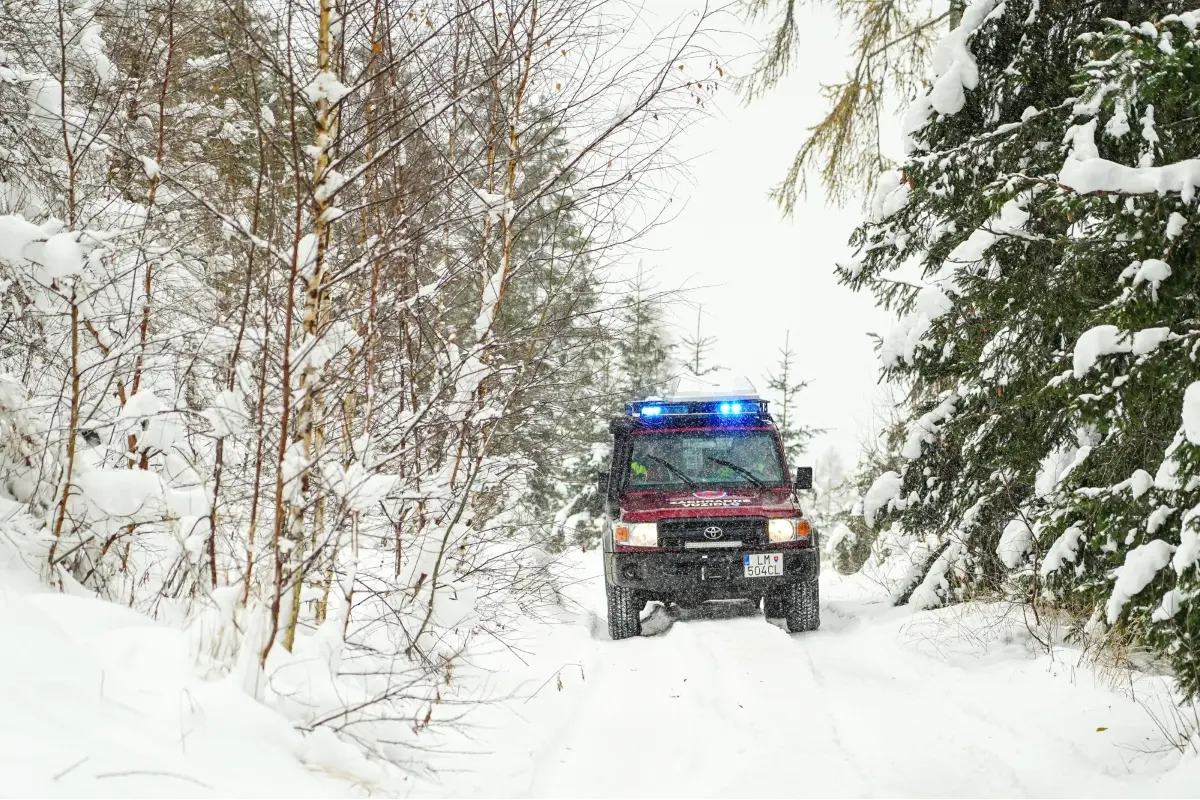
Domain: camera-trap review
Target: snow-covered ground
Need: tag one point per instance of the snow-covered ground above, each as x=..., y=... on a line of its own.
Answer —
x=101, y=701
x=879, y=702
x=97, y=700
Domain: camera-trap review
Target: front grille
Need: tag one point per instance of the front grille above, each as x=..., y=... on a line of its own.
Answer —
x=676, y=533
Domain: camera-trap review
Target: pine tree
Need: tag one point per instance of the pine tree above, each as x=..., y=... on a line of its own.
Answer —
x=977, y=342
x=643, y=355
x=1049, y=199
x=786, y=386
x=696, y=347
x=1119, y=533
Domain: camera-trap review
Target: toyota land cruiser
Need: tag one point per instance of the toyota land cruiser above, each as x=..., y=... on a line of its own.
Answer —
x=699, y=506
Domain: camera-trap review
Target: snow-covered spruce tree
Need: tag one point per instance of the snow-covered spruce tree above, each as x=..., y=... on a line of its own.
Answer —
x=643, y=352
x=695, y=348
x=861, y=538
x=1118, y=534
x=965, y=242
x=785, y=385
x=628, y=357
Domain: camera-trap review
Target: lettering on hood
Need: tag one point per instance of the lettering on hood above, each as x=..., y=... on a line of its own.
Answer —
x=710, y=500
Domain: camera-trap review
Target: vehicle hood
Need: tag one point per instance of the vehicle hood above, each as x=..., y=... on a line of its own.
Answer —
x=652, y=506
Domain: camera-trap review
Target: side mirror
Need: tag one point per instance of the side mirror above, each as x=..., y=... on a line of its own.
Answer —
x=804, y=478
x=602, y=483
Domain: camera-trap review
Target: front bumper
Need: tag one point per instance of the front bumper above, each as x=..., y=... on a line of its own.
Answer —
x=705, y=576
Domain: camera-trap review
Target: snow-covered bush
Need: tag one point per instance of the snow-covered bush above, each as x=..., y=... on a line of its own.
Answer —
x=295, y=299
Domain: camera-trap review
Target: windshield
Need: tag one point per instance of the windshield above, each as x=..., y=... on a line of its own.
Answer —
x=705, y=459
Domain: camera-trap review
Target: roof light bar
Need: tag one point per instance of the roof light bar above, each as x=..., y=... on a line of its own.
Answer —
x=728, y=408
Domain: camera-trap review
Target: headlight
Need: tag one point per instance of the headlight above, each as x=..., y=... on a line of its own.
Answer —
x=788, y=530
x=637, y=534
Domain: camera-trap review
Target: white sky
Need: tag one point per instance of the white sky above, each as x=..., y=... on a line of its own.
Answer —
x=757, y=274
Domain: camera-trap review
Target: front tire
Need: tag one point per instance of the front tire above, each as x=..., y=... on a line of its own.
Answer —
x=802, y=607
x=773, y=606
x=624, y=612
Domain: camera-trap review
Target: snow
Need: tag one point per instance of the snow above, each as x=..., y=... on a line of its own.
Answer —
x=359, y=489
x=1172, y=604
x=1175, y=225
x=1009, y=222
x=1064, y=549
x=101, y=701
x=925, y=429
x=1083, y=138
x=891, y=195
x=931, y=592
x=1153, y=271
x=1101, y=175
x=325, y=86
x=1096, y=342
x=1149, y=133
x=150, y=166
x=1106, y=340
x=720, y=385
x=885, y=489
x=954, y=72
x=306, y=254
x=1189, y=19
x=880, y=702
x=1191, y=412
x=61, y=255
x=91, y=44
x=953, y=63
x=489, y=303
x=841, y=533
x=1140, y=482
x=125, y=493
x=902, y=342
x=1142, y=563
x=15, y=236
x=1157, y=517
x=1188, y=553
x=1053, y=468
x=227, y=415
x=1015, y=543
x=45, y=101
x=1147, y=340
x=1118, y=125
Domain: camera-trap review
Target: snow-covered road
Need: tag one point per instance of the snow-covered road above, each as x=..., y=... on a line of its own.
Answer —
x=713, y=702
x=879, y=702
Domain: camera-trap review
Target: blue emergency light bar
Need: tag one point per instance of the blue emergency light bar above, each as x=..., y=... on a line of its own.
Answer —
x=727, y=408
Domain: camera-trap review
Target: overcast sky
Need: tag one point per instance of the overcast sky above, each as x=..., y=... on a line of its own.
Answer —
x=758, y=275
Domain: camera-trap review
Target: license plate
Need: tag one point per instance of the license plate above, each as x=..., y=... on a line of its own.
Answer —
x=762, y=565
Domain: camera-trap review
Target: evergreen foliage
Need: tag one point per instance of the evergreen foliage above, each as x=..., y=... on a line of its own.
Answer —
x=696, y=347
x=786, y=386
x=1040, y=245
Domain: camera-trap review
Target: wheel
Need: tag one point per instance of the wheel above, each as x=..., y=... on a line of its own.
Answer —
x=802, y=607
x=624, y=612
x=773, y=606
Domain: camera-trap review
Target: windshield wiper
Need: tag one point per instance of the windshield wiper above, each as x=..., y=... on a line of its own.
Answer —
x=688, y=479
x=733, y=466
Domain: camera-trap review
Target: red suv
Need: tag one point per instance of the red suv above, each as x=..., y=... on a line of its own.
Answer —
x=699, y=506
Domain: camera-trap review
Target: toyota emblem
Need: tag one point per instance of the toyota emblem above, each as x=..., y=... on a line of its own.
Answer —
x=713, y=532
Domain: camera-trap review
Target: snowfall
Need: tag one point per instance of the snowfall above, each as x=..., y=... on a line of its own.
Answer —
x=101, y=701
